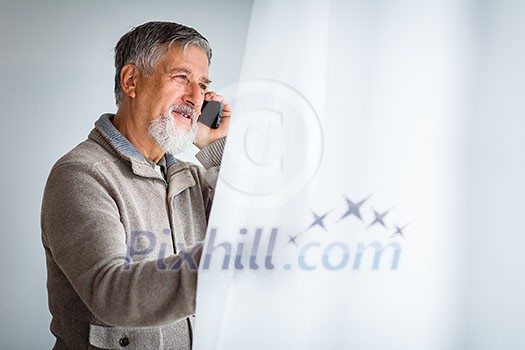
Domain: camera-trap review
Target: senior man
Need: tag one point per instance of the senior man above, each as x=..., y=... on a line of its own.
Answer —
x=121, y=215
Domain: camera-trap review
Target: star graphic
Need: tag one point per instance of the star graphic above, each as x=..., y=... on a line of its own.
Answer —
x=292, y=239
x=379, y=218
x=399, y=231
x=353, y=208
x=318, y=220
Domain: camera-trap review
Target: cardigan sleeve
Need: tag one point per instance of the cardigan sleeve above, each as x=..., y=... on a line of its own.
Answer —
x=86, y=242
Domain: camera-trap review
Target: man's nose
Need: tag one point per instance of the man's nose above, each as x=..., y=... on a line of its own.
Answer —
x=193, y=95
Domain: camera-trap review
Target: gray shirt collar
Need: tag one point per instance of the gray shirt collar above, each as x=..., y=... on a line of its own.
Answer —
x=121, y=144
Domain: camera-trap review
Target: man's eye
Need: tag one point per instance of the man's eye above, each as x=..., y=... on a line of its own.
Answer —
x=181, y=77
x=203, y=87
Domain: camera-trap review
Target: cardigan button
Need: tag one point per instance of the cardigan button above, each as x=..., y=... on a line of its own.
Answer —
x=124, y=341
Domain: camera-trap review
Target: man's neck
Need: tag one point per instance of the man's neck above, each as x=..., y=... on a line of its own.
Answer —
x=137, y=134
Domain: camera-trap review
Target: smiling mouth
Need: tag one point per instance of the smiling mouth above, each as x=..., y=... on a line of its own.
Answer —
x=184, y=115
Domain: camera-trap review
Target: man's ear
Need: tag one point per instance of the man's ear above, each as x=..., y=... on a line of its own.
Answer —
x=128, y=79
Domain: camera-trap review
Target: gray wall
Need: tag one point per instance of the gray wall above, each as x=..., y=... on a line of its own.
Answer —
x=56, y=78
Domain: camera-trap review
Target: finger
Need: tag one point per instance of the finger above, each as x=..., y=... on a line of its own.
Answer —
x=213, y=96
x=218, y=98
x=209, y=95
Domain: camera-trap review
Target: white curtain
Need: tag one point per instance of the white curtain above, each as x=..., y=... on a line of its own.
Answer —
x=345, y=185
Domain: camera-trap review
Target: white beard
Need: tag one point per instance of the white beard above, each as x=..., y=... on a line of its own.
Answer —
x=170, y=138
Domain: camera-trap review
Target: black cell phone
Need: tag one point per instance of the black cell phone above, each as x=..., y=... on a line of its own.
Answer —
x=211, y=114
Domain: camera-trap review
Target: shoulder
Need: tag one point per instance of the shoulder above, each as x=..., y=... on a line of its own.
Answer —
x=83, y=168
x=88, y=153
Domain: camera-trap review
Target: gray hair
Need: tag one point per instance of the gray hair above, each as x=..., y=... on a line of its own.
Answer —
x=145, y=45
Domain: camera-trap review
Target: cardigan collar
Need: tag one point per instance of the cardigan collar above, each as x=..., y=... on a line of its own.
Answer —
x=106, y=131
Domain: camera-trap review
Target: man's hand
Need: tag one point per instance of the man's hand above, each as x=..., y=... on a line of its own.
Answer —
x=206, y=135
